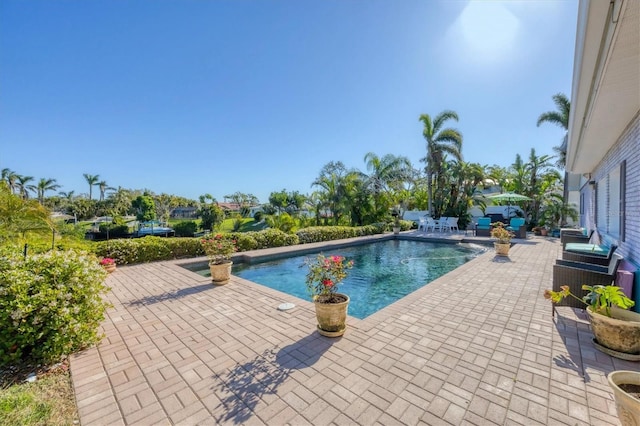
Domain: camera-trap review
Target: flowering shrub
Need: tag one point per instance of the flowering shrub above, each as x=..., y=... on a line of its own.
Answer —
x=218, y=249
x=600, y=297
x=50, y=304
x=325, y=274
x=499, y=232
x=107, y=261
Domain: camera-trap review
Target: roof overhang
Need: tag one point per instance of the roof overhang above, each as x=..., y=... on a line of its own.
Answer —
x=605, y=94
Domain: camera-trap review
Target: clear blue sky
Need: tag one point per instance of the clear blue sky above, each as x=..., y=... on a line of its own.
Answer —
x=191, y=97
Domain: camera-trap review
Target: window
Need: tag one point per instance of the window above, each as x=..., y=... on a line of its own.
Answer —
x=610, y=202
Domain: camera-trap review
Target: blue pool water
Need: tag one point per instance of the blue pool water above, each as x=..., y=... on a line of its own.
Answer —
x=383, y=272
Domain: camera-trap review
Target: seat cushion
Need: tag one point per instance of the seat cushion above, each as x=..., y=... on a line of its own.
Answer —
x=588, y=248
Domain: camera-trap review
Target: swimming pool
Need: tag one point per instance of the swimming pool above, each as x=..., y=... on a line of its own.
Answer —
x=383, y=272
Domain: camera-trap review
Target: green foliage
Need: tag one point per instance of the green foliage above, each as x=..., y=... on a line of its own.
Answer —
x=325, y=274
x=284, y=222
x=145, y=208
x=218, y=249
x=316, y=234
x=20, y=218
x=148, y=249
x=210, y=213
x=257, y=216
x=600, y=297
x=50, y=304
x=185, y=228
x=237, y=224
x=273, y=238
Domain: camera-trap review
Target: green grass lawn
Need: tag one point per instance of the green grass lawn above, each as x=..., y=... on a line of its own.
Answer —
x=48, y=401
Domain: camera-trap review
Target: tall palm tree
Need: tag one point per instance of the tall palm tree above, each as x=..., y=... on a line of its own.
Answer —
x=385, y=173
x=439, y=142
x=92, y=180
x=10, y=177
x=102, y=185
x=559, y=118
x=45, y=185
x=24, y=187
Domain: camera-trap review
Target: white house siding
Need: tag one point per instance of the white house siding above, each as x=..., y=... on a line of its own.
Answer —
x=626, y=148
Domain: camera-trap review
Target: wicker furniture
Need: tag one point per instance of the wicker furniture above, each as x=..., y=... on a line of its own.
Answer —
x=567, y=236
x=518, y=227
x=577, y=274
x=589, y=258
x=483, y=227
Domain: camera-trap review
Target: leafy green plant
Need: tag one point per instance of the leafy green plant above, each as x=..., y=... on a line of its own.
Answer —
x=50, y=304
x=500, y=233
x=185, y=228
x=325, y=274
x=218, y=249
x=600, y=297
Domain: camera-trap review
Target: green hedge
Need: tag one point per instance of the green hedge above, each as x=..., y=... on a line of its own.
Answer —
x=315, y=234
x=50, y=304
x=150, y=249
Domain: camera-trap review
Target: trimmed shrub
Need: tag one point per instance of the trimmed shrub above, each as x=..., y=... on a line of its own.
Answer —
x=274, y=238
x=185, y=228
x=148, y=249
x=316, y=234
x=50, y=304
x=257, y=216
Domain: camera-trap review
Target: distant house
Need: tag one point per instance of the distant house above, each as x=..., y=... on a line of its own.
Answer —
x=603, y=152
x=184, y=213
x=230, y=207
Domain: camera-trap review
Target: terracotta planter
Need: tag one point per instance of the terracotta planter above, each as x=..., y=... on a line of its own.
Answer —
x=109, y=268
x=627, y=405
x=543, y=232
x=620, y=333
x=220, y=273
x=332, y=317
x=502, y=249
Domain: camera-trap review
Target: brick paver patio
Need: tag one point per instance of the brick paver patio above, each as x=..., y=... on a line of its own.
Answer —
x=475, y=347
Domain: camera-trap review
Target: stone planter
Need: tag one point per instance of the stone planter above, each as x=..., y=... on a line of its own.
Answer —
x=332, y=317
x=620, y=333
x=626, y=391
x=396, y=230
x=220, y=273
x=502, y=249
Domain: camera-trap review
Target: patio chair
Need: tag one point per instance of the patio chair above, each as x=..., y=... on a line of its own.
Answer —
x=427, y=223
x=573, y=237
x=483, y=227
x=588, y=253
x=577, y=274
x=518, y=227
x=444, y=224
x=453, y=224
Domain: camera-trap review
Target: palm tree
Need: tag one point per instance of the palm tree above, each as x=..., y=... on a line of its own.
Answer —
x=388, y=172
x=68, y=195
x=559, y=118
x=439, y=142
x=24, y=187
x=45, y=185
x=102, y=185
x=10, y=177
x=91, y=180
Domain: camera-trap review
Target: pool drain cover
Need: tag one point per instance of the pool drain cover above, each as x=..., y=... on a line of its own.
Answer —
x=286, y=306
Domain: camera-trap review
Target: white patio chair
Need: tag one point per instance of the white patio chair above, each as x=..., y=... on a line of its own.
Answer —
x=427, y=223
x=453, y=224
x=444, y=224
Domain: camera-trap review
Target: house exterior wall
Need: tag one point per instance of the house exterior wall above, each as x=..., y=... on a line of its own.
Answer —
x=626, y=148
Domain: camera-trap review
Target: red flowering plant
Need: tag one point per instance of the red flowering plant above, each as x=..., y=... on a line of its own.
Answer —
x=106, y=261
x=218, y=249
x=324, y=276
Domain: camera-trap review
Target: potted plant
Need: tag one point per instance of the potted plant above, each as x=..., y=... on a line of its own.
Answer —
x=396, y=225
x=323, y=278
x=108, y=264
x=617, y=330
x=503, y=237
x=626, y=393
x=219, y=250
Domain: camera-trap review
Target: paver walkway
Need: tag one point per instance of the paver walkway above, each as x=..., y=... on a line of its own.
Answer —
x=475, y=347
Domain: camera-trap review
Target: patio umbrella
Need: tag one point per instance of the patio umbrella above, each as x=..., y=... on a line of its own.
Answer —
x=509, y=197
